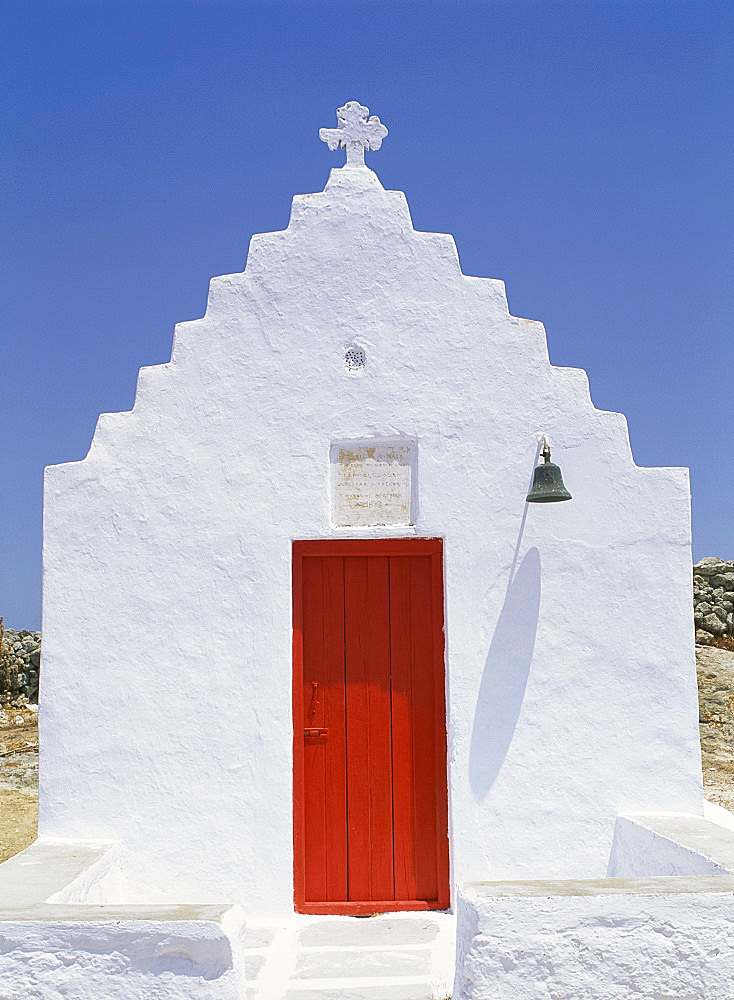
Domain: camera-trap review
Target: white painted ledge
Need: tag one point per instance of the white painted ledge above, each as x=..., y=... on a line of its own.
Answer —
x=57, y=939
x=671, y=844
x=94, y=953
x=553, y=888
x=47, y=868
x=662, y=926
x=717, y=814
x=603, y=938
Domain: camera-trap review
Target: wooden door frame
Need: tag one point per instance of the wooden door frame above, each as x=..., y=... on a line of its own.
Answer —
x=432, y=547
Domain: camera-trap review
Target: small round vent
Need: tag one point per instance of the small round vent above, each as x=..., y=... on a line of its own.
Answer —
x=354, y=359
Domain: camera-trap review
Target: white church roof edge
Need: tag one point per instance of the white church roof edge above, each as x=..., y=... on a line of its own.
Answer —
x=347, y=186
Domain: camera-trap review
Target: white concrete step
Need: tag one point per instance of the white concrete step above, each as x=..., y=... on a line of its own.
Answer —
x=406, y=956
x=386, y=990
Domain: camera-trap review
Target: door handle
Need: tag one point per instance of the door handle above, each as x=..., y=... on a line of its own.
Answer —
x=315, y=734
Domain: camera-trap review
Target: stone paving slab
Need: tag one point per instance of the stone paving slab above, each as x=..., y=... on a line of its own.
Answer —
x=253, y=965
x=393, y=992
x=353, y=964
x=370, y=931
x=258, y=936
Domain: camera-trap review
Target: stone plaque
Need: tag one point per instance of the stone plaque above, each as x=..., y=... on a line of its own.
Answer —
x=372, y=482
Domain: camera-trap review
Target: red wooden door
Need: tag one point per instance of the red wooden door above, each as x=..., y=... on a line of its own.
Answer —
x=370, y=796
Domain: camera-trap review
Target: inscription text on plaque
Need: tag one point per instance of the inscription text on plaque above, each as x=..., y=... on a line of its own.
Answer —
x=372, y=482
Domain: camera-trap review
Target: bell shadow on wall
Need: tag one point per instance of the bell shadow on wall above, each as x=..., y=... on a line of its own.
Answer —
x=505, y=675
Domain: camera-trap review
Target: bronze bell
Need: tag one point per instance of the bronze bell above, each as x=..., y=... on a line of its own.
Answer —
x=547, y=481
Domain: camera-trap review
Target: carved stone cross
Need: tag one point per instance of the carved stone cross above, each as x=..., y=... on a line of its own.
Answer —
x=356, y=132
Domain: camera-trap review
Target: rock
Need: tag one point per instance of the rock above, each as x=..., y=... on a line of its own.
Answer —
x=708, y=563
x=704, y=608
x=713, y=624
x=19, y=720
x=703, y=638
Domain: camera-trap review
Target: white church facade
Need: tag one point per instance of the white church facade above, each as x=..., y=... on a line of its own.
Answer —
x=312, y=528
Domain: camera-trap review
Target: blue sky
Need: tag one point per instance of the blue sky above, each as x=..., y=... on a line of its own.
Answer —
x=581, y=151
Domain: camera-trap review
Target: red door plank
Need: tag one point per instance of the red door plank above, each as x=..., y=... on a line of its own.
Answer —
x=414, y=728
x=324, y=758
x=441, y=805
x=423, y=734
x=406, y=882
x=369, y=754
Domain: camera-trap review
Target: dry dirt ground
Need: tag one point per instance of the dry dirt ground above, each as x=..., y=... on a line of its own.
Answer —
x=19, y=751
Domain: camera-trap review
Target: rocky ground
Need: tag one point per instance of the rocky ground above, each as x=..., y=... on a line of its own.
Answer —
x=18, y=779
x=19, y=751
x=20, y=660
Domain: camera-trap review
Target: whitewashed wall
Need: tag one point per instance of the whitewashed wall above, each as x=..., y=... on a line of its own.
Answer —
x=167, y=565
